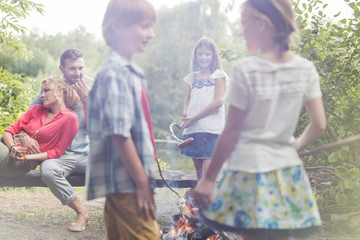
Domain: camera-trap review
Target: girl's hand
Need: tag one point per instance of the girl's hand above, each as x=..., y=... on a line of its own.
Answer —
x=203, y=192
x=184, y=117
x=187, y=122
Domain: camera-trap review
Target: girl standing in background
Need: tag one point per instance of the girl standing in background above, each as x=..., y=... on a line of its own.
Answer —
x=204, y=111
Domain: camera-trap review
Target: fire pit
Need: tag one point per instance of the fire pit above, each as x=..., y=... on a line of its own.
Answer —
x=187, y=226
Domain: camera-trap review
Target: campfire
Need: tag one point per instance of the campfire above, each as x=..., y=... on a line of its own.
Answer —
x=187, y=226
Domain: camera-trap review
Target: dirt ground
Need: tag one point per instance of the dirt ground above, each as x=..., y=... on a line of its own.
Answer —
x=35, y=214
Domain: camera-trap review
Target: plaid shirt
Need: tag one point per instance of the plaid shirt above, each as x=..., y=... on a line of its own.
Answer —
x=115, y=109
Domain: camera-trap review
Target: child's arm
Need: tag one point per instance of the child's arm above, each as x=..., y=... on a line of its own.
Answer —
x=317, y=124
x=144, y=194
x=223, y=149
x=220, y=87
x=186, y=103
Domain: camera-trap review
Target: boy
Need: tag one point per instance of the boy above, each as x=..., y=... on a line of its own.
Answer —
x=121, y=148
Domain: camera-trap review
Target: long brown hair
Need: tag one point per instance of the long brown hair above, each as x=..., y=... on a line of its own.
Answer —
x=207, y=42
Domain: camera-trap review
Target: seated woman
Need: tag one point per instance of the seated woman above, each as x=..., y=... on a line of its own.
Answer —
x=51, y=124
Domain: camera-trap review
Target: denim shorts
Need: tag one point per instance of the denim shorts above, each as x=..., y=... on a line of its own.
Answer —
x=202, y=147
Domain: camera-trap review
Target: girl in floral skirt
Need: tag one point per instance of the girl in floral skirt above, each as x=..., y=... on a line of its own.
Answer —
x=264, y=192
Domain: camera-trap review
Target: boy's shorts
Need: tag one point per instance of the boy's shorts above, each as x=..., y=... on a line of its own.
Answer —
x=123, y=222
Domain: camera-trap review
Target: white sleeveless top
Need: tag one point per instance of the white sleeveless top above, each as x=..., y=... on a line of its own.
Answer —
x=202, y=93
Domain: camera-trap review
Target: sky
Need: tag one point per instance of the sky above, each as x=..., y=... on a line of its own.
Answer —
x=62, y=16
x=65, y=15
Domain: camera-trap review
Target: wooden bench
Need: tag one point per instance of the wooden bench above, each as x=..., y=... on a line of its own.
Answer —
x=175, y=179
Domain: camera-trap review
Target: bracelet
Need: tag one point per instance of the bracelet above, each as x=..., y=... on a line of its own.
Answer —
x=11, y=148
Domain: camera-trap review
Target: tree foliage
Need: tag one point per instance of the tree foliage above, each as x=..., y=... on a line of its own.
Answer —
x=15, y=89
x=12, y=11
x=15, y=93
x=334, y=47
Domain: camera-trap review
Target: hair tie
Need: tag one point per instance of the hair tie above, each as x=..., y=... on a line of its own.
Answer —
x=282, y=40
x=283, y=28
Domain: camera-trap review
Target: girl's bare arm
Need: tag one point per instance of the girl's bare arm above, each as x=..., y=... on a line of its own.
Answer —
x=317, y=124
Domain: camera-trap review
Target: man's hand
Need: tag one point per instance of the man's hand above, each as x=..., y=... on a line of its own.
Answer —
x=83, y=91
x=81, y=88
x=146, y=202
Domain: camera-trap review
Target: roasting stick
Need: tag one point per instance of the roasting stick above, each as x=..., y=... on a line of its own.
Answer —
x=162, y=177
x=182, y=200
x=181, y=143
x=328, y=146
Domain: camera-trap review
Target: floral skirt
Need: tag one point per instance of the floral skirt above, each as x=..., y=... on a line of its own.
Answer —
x=276, y=204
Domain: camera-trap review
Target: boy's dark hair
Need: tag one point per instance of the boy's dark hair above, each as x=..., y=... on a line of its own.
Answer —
x=72, y=54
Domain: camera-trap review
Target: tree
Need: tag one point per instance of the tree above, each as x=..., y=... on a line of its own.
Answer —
x=334, y=47
x=12, y=11
x=14, y=88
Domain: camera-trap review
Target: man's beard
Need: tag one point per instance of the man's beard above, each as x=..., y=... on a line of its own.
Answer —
x=68, y=81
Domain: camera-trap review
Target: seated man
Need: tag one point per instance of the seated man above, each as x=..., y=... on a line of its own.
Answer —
x=54, y=172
